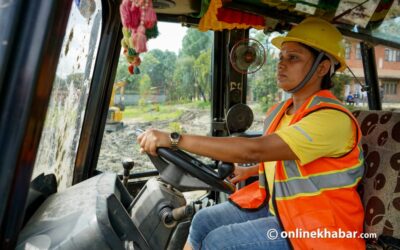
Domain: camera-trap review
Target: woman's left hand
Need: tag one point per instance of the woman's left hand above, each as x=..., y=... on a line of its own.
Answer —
x=152, y=139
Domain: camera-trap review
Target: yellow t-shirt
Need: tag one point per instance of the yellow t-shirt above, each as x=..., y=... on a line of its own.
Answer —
x=324, y=133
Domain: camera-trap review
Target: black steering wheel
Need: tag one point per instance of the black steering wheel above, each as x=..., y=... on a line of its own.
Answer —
x=194, y=167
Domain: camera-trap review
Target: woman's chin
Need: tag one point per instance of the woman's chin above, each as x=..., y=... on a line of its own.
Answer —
x=284, y=86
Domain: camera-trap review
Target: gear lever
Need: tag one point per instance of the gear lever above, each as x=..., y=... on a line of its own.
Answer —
x=128, y=165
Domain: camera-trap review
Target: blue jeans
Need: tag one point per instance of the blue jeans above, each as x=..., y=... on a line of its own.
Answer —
x=224, y=226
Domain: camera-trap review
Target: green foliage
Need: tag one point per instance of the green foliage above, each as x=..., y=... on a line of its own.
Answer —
x=181, y=78
x=156, y=107
x=159, y=116
x=76, y=79
x=144, y=88
x=202, y=72
x=176, y=127
x=262, y=84
x=182, y=87
x=339, y=81
x=124, y=76
x=151, y=113
x=195, y=41
x=204, y=105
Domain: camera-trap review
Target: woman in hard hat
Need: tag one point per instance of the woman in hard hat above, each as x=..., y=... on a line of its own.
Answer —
x=310, y=159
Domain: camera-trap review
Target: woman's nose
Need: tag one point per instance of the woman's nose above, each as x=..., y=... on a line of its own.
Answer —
x=281, y=64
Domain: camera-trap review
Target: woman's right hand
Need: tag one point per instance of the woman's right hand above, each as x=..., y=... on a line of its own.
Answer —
x=241, y=173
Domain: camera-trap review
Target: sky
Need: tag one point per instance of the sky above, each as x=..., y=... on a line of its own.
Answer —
x=169, y=38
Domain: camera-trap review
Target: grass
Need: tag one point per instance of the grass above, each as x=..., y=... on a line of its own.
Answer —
x=152, y=112
x=198, y=105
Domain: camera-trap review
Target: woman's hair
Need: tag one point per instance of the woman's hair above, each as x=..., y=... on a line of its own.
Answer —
x=326, y=82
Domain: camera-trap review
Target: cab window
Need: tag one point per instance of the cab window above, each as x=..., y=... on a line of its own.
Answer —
x=62, y=129
x=171, y=92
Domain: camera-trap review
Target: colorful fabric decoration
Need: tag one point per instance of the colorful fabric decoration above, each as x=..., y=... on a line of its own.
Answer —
x=219, y=18
x=139, y=22
x=235, y=16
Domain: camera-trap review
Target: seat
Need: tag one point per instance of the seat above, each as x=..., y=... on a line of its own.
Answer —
x=380, y=186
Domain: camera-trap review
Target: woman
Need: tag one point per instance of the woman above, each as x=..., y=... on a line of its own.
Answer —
x=310, y=160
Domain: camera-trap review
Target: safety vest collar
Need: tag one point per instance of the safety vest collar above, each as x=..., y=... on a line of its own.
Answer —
x=275, y=114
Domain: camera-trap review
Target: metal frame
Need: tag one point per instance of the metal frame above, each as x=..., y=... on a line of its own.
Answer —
x=223, y=77
x=100, y=93
x=371, y=76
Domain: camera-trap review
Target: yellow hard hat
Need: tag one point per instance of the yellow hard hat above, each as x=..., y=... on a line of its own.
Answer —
x=319, y=34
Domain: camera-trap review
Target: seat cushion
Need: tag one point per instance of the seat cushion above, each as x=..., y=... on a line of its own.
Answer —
x=380, y=186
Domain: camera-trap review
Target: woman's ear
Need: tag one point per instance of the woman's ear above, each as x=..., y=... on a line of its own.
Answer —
x=323, y=68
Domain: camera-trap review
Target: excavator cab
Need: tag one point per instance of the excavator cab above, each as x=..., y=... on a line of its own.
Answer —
x=60, y=188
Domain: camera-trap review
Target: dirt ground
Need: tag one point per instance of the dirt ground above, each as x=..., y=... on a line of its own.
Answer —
x=120, y=145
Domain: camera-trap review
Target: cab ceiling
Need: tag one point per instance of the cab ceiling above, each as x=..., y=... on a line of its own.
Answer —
x=177, y=7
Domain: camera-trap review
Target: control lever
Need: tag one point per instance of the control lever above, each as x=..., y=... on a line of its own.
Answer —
x=225, y=169
x=128, y=165
x=170, y=216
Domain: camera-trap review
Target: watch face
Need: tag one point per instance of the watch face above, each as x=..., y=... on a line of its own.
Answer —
x=175, y=135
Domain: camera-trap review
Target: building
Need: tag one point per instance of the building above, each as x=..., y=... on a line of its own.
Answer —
x=388, y=68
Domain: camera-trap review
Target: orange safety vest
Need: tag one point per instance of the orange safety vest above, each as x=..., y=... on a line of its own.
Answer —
x=318, y=198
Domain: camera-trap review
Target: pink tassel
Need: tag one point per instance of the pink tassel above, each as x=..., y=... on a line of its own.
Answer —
x=124, y=10
x=139, y=40
x=135, y=17
x=150, y=18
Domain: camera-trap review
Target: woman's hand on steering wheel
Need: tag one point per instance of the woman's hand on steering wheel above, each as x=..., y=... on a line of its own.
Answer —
x=239, y=174
x=151, y=139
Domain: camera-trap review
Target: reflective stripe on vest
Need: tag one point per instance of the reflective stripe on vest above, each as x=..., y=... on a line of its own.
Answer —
x=272, y=116
x=291, y=169
x=297, y=186
x=318, y=99
x=262, y=181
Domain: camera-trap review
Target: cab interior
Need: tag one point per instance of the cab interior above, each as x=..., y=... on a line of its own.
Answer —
x=148, y=210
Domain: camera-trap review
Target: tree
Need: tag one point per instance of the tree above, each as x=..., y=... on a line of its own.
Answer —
x=263, y=82
x=202, y=72
x=76, y=78
x=339, y=81
x=144, y=88
x=195, y=41
x=159, y=65
x=124, y=76
x=182, y=86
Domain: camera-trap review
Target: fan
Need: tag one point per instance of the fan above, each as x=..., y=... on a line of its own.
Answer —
x=247, y=56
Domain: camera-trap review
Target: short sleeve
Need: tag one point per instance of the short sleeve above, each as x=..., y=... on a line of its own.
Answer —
x=324, y=133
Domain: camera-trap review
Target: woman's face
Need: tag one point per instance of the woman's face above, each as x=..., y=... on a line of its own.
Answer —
x=295, y=61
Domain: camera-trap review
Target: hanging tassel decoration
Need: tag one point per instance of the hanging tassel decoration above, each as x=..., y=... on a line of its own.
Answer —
x=139, y=40
x=137, y=71
x=125, y=11
x=131, y=69
x=136, y=17
x=139, y=22
x=152, y=33
x=149, y=17
x=136, y=61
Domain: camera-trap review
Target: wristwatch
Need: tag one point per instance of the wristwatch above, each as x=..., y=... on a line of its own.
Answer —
x=175, y=138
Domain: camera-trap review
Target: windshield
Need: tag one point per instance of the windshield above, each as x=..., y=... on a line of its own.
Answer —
x=172, y=93
x=61, y=132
